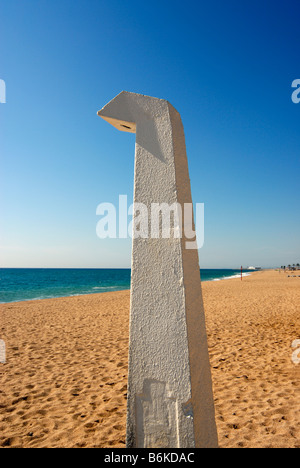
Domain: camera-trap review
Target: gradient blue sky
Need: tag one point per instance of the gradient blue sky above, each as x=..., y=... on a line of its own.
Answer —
x=227, y=67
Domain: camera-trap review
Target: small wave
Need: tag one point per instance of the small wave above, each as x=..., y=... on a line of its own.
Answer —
x=231, y=277
x=28, y=299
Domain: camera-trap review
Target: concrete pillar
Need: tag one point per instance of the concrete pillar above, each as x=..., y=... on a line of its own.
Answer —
x=170, y=399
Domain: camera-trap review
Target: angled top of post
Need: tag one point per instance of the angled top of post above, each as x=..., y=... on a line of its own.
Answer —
x=126, y=108
x=116, y=108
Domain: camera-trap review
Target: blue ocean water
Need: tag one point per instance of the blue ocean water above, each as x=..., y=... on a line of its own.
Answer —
x=23, y=284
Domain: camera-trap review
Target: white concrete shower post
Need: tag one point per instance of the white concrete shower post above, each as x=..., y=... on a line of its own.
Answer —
x=170, y=398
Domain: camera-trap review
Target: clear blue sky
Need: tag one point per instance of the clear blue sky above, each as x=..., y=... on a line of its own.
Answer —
x=226, y=66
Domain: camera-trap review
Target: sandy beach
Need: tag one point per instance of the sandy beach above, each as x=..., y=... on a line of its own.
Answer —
x=64, y=382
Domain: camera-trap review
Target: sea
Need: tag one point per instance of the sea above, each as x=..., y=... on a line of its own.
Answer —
x=25, y=284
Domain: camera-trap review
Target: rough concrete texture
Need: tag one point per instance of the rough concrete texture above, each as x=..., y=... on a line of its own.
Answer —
x=170, y=400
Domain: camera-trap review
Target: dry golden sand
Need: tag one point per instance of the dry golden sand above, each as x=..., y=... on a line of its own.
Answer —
x=64, y=382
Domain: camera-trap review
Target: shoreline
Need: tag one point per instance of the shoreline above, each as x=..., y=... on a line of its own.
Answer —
x=64, y=382
x=236, y=276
